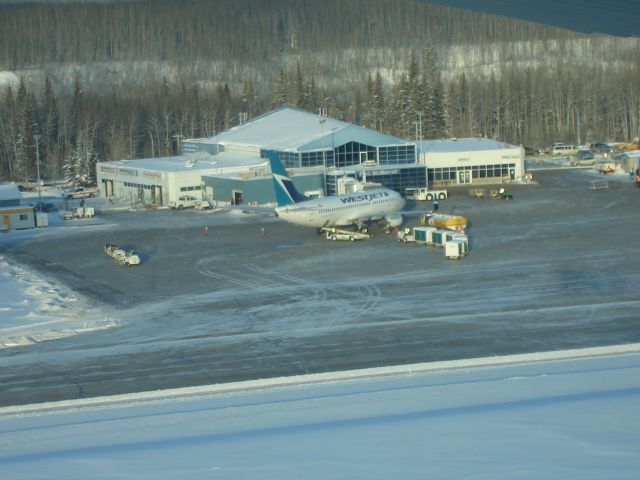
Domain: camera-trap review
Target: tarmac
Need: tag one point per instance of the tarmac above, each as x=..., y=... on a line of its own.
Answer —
x=555, y=268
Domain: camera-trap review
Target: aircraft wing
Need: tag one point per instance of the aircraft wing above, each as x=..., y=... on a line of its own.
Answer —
x=251, y=209
x=394, y=219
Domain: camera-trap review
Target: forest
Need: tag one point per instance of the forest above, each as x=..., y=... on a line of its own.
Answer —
x=88, y=82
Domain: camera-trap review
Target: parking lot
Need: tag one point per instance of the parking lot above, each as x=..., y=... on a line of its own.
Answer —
x=556, y=267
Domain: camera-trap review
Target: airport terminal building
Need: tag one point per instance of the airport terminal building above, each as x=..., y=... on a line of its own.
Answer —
x=324, y=156
x=471, y=161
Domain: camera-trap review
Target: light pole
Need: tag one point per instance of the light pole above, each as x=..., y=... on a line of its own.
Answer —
x=322, y=121
x=153, y=155
x=37, y=137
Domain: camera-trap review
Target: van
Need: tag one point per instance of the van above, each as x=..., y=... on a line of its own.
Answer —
x=563, y=149
x=601, y=148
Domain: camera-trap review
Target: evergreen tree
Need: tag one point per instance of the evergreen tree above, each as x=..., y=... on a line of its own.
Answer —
x=248, y=98
x=299, y=94
x=378, y=103
x=76, y=112
x=49, y=121
x=80, y=164
x=433, y=97
x=312, y=96
x=280, y=95
x=8, y=135
x=224, y=107
x=26, y=167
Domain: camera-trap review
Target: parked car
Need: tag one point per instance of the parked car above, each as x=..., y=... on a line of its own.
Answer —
x=601, y=148
x=563, y=149
x=530, y=150
x=585, y=155
x=45, y=207
x=584, y=158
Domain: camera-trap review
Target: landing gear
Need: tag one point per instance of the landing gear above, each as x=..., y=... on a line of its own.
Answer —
x=362, y=227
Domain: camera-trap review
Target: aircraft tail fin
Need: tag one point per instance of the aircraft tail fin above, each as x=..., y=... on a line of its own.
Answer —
x=286, y=193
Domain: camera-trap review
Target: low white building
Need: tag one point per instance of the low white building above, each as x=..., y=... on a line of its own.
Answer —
x=14, y=216
x=630, y=160
x=459, y=161
x=162, y=180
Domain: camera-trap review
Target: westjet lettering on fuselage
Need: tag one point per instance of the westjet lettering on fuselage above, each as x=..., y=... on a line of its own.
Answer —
x=364, y=198
x=340, y=210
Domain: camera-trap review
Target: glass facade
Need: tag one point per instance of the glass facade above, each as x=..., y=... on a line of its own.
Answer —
x=396, y=179
x=316, y=159
x=349, y=154
x=354, y=153
x=451, y=175
x=138, y=185
x=397, y=154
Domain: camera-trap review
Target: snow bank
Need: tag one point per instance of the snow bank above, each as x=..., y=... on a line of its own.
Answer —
x=33, y=309
x=8, y=80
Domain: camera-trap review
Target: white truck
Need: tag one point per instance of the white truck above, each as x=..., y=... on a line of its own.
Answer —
x=423, y=193
x=333, y=233
x=188, y=201
x=81, y=192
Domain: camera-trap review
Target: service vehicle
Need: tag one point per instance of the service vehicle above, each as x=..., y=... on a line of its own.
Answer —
x=444, y=220
x=495, y=193
x=439, y=237
x=456, y=248
x=502, y=194
x=415, y=234
x=121, y=256
x=333, y=233
x=605, y=167
x=78, y=212
x=423, y=193
x=81, y=192
x=188, y=201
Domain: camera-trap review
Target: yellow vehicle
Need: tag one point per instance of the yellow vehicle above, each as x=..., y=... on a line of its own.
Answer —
x=443, y=220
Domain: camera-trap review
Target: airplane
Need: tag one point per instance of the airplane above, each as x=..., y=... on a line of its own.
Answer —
x=335, y=211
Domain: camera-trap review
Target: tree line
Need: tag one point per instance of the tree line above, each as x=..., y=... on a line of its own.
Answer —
x=417, y=94
x=251, y=30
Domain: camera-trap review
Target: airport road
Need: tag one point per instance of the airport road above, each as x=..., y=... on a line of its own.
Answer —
x=555, y=268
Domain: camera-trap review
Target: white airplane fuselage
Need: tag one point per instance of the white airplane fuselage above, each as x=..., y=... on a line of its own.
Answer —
x=342, y=210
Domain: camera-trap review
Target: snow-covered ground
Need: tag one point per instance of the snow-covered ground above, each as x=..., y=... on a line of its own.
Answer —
x=34, y=308
x=553, y=415
x=559, y=415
